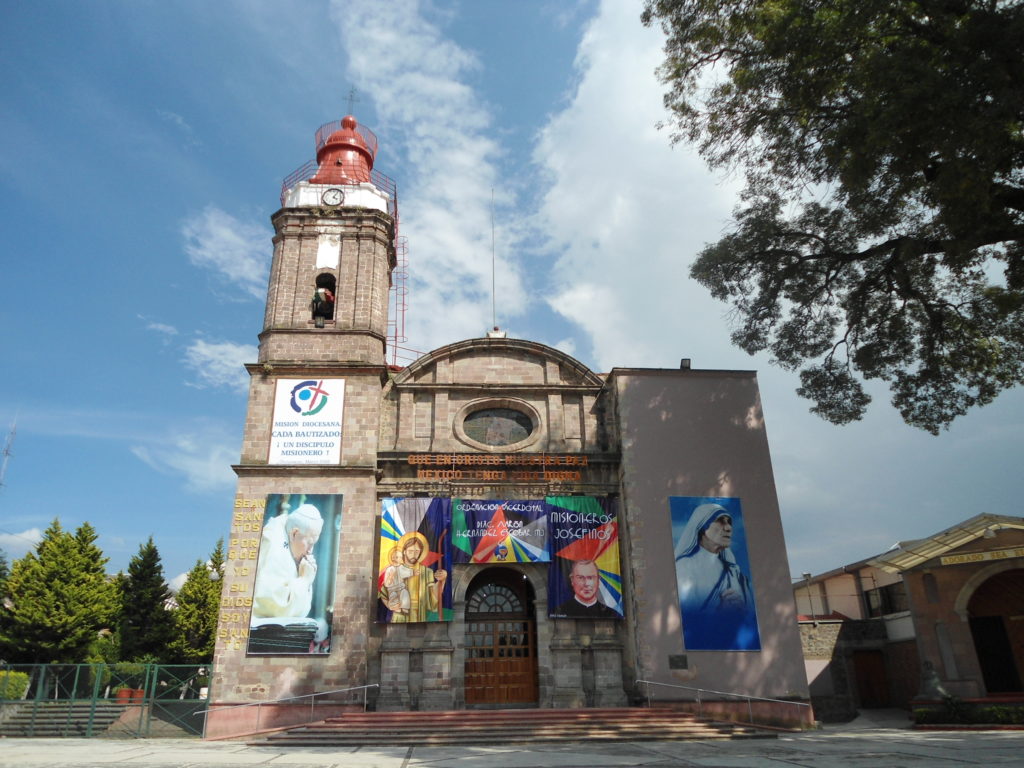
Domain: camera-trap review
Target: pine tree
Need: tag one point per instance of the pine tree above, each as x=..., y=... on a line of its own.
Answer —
x=147, y=626
x=195, y=618
x=57, y=598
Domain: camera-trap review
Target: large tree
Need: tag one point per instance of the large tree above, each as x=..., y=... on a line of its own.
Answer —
x=880, y=232
x=147, y=625
x=57, y=598
x=195, y=618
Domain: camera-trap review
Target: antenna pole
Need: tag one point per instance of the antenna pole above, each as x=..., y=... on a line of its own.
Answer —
x=494, y=296
x=352, y=99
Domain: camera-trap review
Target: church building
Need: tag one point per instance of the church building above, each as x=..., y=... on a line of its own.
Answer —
x=493, y=525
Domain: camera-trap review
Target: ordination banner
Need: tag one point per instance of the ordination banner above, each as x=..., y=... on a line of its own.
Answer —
x=499, y=531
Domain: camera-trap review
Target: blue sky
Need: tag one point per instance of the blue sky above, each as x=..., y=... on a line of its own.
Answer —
x=143, y=149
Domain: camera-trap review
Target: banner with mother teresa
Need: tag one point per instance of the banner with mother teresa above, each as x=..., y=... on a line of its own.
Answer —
x=716, y=594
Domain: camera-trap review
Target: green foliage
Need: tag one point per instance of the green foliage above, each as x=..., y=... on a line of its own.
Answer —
x=881, y=232
x=128, y=674
x=195, y=618
x=57, y=599
x=104, y=649
x=147, y=625
x=956, y=711
x=13, y=684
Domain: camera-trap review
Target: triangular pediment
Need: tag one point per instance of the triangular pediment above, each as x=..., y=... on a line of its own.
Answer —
x=909, y=554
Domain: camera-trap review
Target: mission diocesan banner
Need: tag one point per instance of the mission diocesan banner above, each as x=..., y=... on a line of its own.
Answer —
x=307, y=421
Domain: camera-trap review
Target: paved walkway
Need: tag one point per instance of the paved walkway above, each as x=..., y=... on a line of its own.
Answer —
x=879, y=739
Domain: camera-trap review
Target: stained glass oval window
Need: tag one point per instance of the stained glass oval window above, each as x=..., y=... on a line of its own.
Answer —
x=497, y=426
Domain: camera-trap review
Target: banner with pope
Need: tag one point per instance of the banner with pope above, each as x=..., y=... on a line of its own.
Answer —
x=293, y=593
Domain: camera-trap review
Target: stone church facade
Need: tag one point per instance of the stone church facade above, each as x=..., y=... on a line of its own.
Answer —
x=490, y=418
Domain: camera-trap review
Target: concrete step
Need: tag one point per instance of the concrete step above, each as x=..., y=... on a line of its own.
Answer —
x=58, y=719
x=508, y=727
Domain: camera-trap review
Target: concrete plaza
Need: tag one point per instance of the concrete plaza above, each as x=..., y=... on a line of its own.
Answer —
x=874, y=740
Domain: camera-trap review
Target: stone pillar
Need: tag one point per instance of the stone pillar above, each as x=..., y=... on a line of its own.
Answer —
x=436, y=690
x=394, y=680
x=568, y=673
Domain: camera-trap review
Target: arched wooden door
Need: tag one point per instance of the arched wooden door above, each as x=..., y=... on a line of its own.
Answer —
x=501, y=640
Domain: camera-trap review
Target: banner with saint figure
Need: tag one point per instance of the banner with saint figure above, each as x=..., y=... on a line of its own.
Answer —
x=499, y=531
x=716, y=594
x=415, y=555
x=585, y=577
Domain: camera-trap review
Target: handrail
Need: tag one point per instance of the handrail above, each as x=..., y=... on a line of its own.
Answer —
x=699, y=691
x=310, y=696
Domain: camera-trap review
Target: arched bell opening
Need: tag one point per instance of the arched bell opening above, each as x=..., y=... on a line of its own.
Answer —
x=500, y=640
x=322, y=305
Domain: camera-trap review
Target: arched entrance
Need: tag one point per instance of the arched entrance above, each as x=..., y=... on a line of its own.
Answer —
x=501, y=640
x=995, y=609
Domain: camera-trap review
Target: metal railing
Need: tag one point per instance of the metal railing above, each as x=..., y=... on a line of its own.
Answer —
x=129, y=699
x=700, y=705
x=312, y=707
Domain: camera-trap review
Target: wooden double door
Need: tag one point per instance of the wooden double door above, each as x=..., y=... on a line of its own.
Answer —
x=501, y=640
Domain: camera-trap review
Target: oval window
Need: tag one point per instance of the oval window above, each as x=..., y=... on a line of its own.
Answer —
x=497, y=426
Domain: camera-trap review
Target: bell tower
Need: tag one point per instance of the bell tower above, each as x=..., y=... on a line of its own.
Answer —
x=334, y=250
x=295, y=609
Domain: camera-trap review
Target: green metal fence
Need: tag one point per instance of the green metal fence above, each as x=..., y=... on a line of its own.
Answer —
x=125, y=700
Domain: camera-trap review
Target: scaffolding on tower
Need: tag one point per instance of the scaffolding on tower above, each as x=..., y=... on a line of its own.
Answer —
x=399, y=300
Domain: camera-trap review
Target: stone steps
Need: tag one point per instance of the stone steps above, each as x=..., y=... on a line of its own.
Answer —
x=508, y=727
x=58, y=719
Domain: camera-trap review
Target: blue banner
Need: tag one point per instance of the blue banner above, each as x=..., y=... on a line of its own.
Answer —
x=716, y=594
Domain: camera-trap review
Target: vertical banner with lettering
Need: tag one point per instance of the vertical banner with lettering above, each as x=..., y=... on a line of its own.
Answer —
x=307, y=421
x=585, y=576
x=716, y=594
x=293, y=596
x=415, y=555
x=499, y=531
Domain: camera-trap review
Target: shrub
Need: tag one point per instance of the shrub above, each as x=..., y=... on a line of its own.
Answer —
x=13, y=685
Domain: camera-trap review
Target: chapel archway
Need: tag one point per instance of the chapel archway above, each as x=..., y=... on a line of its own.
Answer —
x=995, y=613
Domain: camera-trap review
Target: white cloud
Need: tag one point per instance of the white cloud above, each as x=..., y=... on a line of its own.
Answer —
x=182, y=125
x=626, y=210
x=202, y=456
x=421, y=94
x=162, y=328
x=235, y=249
x=220, y=363
x=17, y=545
x=177, y=583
